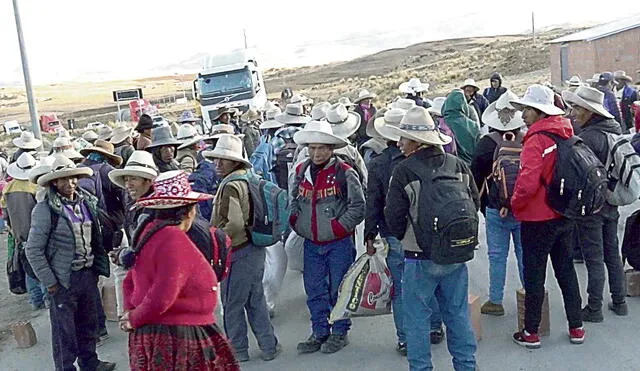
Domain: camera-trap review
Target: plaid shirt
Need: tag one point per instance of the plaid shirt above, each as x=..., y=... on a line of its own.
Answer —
x=279, y=138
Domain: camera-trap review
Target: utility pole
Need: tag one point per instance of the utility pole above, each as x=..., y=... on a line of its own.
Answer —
x=33, y=109
x=533, y=29
x=244, y=32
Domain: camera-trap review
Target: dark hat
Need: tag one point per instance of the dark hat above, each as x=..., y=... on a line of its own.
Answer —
x=605, y=78
x=224, y=109
x=161, y=137
x=145, y=122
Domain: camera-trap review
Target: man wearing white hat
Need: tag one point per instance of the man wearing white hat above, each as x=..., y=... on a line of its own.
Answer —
x=598, y=234
x=66, y=252
x=187, y=155
x=414, y=193
x=438, y=117
x=327, y=205
x=367, y=111
x=543, y=231
x=26, y=142
x=477, y=101
x=63, y=146
x=263, y=158
x=122, y=140
x=628, y=94
x=284, y=147
x=414, y=90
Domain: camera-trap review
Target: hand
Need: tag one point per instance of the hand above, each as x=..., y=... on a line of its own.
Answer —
x=504, y=212
x=53, y=289
x=113, y=255
x=125, y=324
x=371, y=250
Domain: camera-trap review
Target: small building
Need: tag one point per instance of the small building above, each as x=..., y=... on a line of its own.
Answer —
x=607, y=47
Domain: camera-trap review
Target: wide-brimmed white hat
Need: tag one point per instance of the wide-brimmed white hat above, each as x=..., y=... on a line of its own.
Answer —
x=105, y=132
x=403, y=103
x=345, y=101
x=251, y=115
x=621, y=75
x=300, y=99
x=140, y=164
x=469, y=82
x=27, y=140
x=171, y=189
x=414, y=85
x=319, y=111
x=120, y=133
x=385, y=125
x=417, y=125
x=502, y=115
x=436, y=106
x=574, y=81
x=43, y=167
x=219, y=130
x=21, y=168
x=293, y=115
x=364, y=94
x=63, y=167
x=90, y=136
x=587, y=98
x=318, y=132
x=594, y=78
x=65, y=147
x=539, y=97
x=188, y=135
x=228, y=147
x=105, y=149
x=343, y=122
x=271, y=122
x=187, y=116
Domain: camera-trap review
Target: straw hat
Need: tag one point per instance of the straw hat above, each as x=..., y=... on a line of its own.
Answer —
x=345, y=101
x=171, y=189
x=228, y=147
x=621, y=75
x=318, y=132
x=470, y=82
x=105, y=133
x=140, y=164
x=386, y=124
x=574, y=81
x=271, y=123
x=319, y=111
x=417, y=125
x=539, y=97
x=188, y=135
x=105, y=149
x=413, y=86
x=293, y=115
x=187, y=116
x=21, y=168
x=343, y=122
x=61, y=168
x=27, y=140
x=90, y=136
x=120, y=133
x=221, y=129
x=588, y=98
x=436, y=106
x=251, y=115
x=364, y=94
x=403, y=103
x=503, y=116
x=224, y=109
x=162, y=136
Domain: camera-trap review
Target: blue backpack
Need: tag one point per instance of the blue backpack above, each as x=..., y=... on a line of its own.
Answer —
x=269, y=208
x=262, y=159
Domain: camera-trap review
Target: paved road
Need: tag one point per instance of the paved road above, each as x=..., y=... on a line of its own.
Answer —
x=611, y=345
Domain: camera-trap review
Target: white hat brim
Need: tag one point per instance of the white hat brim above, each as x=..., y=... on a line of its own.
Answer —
x=17, y=173
x=78, y=172
x=114, y=159
x=35, y=144
x=385, y=130
x=226, y=155
x=574, y=99
x=306, y=137
x=435, y=111
x=117, y=176
x=348, y=128
x=549, y=109
x=287, y=119
x=368, y=96
x=491, y=118
x=405, y=88
x=434, y=137
x=271, y=124
x=191, y=141
x=120, y=137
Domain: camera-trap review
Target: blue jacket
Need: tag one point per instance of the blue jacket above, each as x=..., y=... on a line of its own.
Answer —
x=204, y=179
x=629, y=95
x=610, y=103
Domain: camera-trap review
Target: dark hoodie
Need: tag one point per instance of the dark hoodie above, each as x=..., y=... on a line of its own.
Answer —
x=492, y=94
x=164, y=166
x=467, y=132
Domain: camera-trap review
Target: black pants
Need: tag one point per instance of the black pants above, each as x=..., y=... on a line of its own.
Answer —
x=598, y=238
x=74, y=323
x=553, y=238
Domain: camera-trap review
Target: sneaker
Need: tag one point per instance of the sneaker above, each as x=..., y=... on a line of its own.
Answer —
x=527, y=340
x=576, y=335
x=105, y=366
x=271, y=356
x=402, y=349
x=620, y=309
x=334, y=343
x=311, y=345
x=437, y=336
x=590, y=315
x=492, y=309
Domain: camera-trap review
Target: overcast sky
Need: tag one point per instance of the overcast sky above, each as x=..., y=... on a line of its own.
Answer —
x=80, y=39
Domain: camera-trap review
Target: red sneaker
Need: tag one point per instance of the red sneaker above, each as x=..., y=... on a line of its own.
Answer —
x=527, y=340
x=576, y=335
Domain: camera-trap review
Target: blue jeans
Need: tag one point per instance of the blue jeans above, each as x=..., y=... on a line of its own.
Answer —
x=499, y=233
x=395, y=262
x=37, y=291
x=423, y=279
x=324, y=268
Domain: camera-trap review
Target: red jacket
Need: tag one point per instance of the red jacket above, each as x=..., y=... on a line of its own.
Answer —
x=171, y=282
x=529, y=200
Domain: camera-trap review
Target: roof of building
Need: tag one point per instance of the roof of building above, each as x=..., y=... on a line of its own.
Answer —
x=603, y=30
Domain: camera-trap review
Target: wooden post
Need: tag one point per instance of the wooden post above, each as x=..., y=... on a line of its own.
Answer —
x=533, y=29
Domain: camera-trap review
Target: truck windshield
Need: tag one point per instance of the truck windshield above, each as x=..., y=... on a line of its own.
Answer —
x=225, y=83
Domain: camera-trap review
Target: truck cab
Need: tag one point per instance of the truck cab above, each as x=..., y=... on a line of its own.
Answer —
x=232, y=80
x=12, y=127
x=50, y=123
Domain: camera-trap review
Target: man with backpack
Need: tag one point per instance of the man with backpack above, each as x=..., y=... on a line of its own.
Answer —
x=327, y=204
x=243, y=290
x=544, y=231
x=495, y=167
x=432, y=208
x=262, y=158
x=598, y=234
x=284, y=147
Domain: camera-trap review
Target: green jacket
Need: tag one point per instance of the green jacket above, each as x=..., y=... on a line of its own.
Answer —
x=467, y=132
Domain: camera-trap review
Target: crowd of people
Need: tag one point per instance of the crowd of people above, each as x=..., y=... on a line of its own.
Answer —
x=170, y=214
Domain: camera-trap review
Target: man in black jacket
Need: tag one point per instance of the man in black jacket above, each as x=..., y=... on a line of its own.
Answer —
x=598, y=235
x=496, y=90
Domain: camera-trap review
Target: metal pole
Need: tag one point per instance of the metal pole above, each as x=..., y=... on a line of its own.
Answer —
x=533, y=28
x=244, y=32
x=33, y=109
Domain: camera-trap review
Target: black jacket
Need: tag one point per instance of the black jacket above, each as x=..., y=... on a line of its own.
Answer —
x=492, y=94
x=362, y=129
x=594, y=135
x=380, y=169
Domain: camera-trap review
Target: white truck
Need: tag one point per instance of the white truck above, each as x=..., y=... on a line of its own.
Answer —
x=12, y=127
x=233, y=80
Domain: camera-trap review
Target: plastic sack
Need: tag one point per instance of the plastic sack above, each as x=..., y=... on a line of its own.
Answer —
x=275, y=266
x=366, y=289
x=294, y=246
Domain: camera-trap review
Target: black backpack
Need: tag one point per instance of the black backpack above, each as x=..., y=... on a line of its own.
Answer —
x=284, y=162
x=447, y=216
x=214, y=244
x=631, y=241
x=579, y=179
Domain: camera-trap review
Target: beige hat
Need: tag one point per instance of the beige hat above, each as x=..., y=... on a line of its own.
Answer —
x=319, y=111
x=27, y=140
x=140, y=164
x=594, y=79
x=436, y=106
x=251, y=115
x=43, y=167
x=403, y=103
x=63, y=146
x=391, y=120
x=90, y=136
x=228, y=147
x=221, y=129
x=414, y=85
x=345, y=101
x=293, y=115
x=621, y=75
x=61, y=168
x=539, y=97
x=224, y=109
x=343, y=122
x=364, y=94
x=470, y=82
x=574, y=81
x=270, y=122
x=120, y=133
x=21, y=168
x=188, y=135
x=503, y=116
x=318, y=132
x=417, y=125
x=301, y=99
x=105, y=149
x=588, y=98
